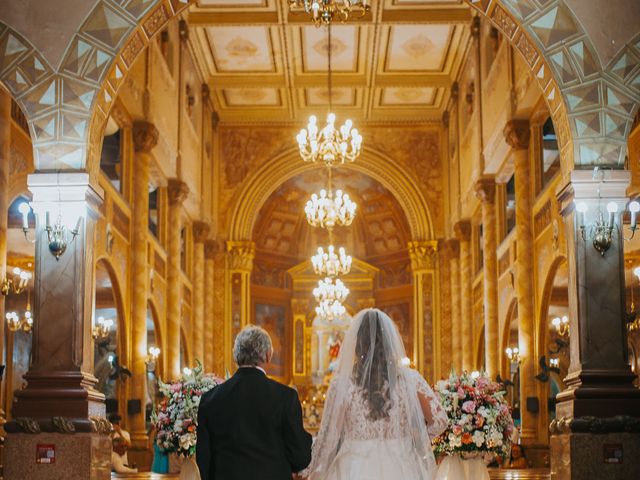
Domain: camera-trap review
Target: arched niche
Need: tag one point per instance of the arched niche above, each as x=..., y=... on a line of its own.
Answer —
x=553, y=344
x=154, y=369
x=510, y=371
x=110, y=353
x=17, y=335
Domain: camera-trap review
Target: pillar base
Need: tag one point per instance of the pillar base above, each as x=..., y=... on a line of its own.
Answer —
x=578, y=456
x=78, y=455
x=64, y=394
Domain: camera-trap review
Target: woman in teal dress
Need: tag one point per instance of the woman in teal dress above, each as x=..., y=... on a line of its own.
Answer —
x=160, y=457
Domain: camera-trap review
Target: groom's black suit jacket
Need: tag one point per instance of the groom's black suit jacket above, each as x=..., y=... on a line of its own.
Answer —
x=250, y=428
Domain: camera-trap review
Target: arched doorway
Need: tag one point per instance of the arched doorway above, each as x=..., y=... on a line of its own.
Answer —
x=154, y=367
x=18, y=302
x=553, y=338
x=109, y=339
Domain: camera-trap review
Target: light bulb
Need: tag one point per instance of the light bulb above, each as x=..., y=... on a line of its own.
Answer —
x=24, y=208
x=612, y=207
x=634, y=207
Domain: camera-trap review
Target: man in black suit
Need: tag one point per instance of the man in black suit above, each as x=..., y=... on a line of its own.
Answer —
x=250, y=427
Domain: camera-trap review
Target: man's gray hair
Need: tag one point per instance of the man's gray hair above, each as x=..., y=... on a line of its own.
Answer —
x=252, y=346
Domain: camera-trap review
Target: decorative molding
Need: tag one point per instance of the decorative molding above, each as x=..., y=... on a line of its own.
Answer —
x=595, y=425
x=485, y=190
x=177, y=191
x=423, y=255
x=462, y=230
x=145, y=136
x=241, y=254
x=517, y=134
x=200, y=231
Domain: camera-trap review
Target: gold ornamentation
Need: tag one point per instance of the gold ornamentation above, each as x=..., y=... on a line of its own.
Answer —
x=155, y=21
x=132, y=49
x=63, y=425
x=100, y=425
x=145, y=136
x=526, y=48
x=423, y=254
x=504, y=21
x=28, y=425
x=241, y=255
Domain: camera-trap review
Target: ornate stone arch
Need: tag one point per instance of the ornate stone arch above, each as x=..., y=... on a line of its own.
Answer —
x=67, y=108
x=504, y=338
x=266, y=179
x=157, y=323
x=123, y=319
x=592, y=105
x=542, y=327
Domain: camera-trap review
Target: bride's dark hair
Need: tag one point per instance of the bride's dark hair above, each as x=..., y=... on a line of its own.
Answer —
x=370, y=369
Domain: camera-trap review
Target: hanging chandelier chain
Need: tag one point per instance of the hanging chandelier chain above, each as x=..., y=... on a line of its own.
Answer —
x=329, y=48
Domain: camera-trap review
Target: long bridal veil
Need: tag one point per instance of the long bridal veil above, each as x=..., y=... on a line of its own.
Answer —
x=372, y=397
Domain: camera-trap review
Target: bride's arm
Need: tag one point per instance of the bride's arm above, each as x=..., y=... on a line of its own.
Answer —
x=434, y=414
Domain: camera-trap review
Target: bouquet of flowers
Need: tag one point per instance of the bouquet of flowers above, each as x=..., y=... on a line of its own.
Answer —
x=177, y=415
x=480, y=422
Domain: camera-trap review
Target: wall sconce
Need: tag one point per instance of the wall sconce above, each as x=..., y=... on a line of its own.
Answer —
x=561, y=324
x=17, y=284
x=187, y=371
x=601, y=230
x=151, y=359
x=554, y=362
x=59, y=236
x=15, y=323
x=102, y=329
x=475, y=374
x=513, y=354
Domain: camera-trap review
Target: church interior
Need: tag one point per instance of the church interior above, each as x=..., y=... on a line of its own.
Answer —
x=157, y=195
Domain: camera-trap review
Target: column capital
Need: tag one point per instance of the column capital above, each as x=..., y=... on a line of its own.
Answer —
x=462, y=230
x=299, y=306
x=211, y=248
x=594, y=187
x=422, y=254
x=485, y=189
x=453, y=247
x=145, y=136
x=241, y=254
x=177, y=190
x=517, y=134
x=200, y=231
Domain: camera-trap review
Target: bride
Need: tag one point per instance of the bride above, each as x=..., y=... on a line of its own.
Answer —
x=379, y=415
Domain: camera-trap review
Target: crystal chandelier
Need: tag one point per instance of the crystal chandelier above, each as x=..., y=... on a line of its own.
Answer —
x=330, y=145
x=330, y=311
x=327, y=210
x=331, y=264
x=330, y=291
x=324, y=11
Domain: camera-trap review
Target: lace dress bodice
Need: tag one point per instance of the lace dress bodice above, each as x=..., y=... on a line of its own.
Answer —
x=360, y=426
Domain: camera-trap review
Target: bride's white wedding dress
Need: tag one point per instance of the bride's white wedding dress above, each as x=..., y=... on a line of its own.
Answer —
x=394, y=442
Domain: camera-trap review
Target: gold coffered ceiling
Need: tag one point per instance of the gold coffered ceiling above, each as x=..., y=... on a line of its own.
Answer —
x=269, y=64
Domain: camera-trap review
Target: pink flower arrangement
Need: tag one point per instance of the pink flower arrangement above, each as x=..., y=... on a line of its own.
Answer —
x=480, y=420
x=176, y=419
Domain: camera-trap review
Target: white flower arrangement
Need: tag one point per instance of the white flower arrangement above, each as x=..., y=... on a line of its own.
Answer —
x=177, y=415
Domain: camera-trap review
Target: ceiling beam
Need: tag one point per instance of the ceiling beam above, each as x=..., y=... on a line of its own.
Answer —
x=211, y=18
x=339, y=80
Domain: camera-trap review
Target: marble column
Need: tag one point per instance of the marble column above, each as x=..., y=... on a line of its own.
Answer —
x=462, y=230
x=5, y=165
x=220, y=320
x=200, y=233
x=517, y=134
x=240, y=255
x=456, y=318
x=59, y=404
x=485, y=190
x=145, y=138
x=599, y=411
x=424, y=329
x=177, y=191
x=210, y=250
